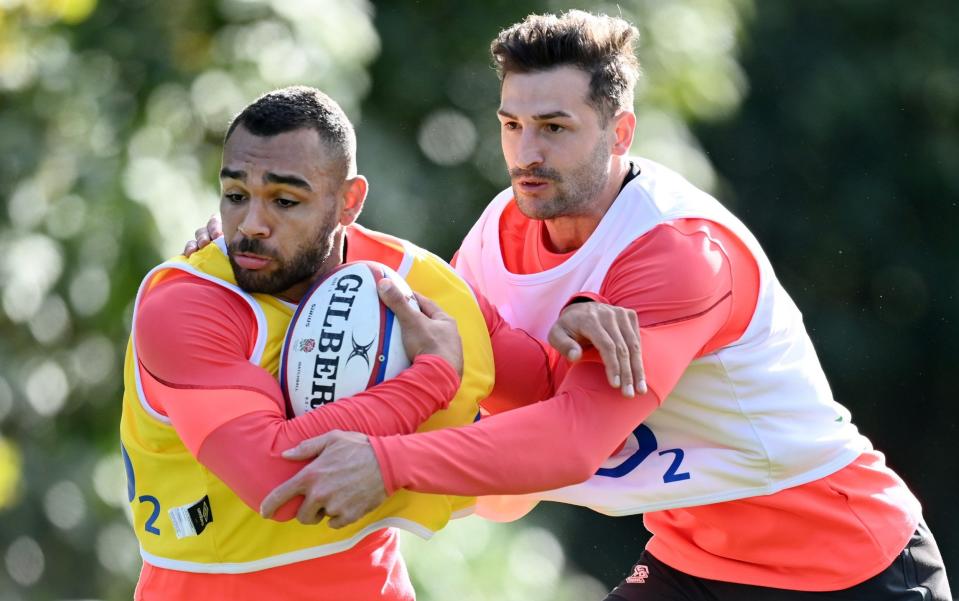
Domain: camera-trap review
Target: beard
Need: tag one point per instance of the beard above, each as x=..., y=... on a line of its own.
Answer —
x=574, y=192
x=303, y=265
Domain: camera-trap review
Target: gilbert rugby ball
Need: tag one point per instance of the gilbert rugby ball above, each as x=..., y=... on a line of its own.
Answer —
x=342, y=338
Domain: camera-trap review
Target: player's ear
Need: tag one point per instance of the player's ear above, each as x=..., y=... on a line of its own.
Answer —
x=623, y=127
x=354, y=195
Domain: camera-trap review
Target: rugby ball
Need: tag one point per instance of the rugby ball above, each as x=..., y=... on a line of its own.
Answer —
x=342, y=338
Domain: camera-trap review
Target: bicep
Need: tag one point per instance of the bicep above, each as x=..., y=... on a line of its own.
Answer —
x=192, y=333
x=524, y=367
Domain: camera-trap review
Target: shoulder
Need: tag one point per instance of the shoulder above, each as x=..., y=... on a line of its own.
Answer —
x=425, y=272
x=681, y=252
x=183, y=317
x=368, y=245
x=676, y=269
x=181, y=295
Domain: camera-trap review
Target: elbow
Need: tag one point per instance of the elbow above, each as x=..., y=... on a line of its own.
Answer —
x=579, y=466
x=583, y=457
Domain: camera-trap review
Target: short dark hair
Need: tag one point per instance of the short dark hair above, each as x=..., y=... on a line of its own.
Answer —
x=297, y=107
x=602, y=46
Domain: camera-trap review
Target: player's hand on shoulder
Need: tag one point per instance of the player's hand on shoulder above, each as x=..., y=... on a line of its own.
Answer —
x=204, y=235
x=613, y=331
x=427, y=331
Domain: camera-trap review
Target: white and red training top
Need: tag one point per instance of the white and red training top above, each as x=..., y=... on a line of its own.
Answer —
x=746, y=469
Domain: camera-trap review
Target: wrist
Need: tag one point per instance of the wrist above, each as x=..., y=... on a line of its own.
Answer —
x=443, y=375
x=381, y=454
x=585, y=297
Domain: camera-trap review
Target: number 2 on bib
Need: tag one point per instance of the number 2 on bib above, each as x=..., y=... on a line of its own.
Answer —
x=641, y=444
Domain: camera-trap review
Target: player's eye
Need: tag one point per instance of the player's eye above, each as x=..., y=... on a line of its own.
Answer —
x=510, y=125
x=554, y=128
x=234, y=197
x=286, y=203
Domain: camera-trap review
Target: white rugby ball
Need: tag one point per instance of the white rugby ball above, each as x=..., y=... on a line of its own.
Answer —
x=342, y=338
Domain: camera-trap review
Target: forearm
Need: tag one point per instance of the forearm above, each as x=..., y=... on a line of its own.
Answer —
x=397, y=406
x=245, y=451
x=554, y=443
x=557, y=442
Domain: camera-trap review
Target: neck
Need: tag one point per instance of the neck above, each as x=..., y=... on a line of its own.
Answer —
x=565, y=234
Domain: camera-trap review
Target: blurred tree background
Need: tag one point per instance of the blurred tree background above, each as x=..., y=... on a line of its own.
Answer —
x=831, y=128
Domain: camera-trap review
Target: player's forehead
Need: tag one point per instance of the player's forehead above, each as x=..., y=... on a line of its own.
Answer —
x=299, y=152
x=560, y=89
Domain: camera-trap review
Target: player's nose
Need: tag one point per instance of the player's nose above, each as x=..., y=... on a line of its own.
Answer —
x=254, y=223
x=529, y=151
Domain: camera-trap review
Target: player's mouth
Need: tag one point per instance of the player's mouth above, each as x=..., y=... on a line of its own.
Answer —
x=531, y=185
x=251, y=261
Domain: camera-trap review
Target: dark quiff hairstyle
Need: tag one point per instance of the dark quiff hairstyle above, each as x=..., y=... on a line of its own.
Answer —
x=602, y=46
x=298, y=107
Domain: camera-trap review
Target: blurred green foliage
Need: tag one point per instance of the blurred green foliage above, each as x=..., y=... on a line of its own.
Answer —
x=830, y=128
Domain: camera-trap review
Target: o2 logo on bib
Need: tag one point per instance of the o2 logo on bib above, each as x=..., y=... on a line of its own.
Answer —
x=640, y=445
